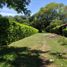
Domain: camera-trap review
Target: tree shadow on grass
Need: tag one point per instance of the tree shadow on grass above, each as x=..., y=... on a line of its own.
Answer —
x=21, y=57
x=59, y=55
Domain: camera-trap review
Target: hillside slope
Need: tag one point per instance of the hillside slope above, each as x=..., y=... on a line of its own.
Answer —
x=37, y=51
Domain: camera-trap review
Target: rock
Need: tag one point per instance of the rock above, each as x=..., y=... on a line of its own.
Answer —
x=51, y=60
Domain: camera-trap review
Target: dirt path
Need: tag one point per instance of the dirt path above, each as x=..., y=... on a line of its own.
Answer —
x=46, y=49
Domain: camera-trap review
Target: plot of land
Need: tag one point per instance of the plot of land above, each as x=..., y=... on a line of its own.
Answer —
x=39, y=50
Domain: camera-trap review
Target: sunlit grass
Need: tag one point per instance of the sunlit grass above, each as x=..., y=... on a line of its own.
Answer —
x=41, y=41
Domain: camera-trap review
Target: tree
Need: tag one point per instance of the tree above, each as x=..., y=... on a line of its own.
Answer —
x=47, y=14
x=21, y=19
x=18, y=5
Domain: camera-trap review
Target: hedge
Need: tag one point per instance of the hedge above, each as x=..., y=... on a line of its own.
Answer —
x=13, y=31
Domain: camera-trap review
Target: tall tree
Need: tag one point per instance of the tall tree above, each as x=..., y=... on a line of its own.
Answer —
x=47, y=14
x=18, y=5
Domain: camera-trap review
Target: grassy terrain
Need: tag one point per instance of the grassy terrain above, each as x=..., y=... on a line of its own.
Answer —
x=35, y=51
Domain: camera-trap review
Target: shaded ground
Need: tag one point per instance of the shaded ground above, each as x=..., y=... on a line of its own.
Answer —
x=35, y=51
x=21, y=57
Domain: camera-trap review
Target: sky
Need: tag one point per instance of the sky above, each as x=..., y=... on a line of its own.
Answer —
x=34, y=6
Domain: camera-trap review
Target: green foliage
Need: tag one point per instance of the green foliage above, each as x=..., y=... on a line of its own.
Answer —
x=21, y=19
x=56, y=22
x=55, y=30
x=53, y=24
x=65, y=32
x=18, y=5
x=59, y=30
x=50, y=16
x=19, y=31
x=12, y=31
x=4, y=25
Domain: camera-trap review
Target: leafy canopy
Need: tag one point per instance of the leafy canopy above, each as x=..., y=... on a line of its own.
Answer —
x=47, y=14
x=19, y=5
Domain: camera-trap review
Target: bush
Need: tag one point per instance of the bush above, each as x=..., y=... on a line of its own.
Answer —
x=59, y=30
x=54, y=25
x=4, y=25
x=49, y=28
x=18, y=31
x=13, y=31
x=65, y=32
x=55, y=30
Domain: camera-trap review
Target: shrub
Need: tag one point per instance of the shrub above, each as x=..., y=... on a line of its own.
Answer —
x=59, y=30
x=18, y=31
x=49, y=28
x=55, y=30
x=65, y=32
x=4, y=25
x=54, y=25
x=13, y=31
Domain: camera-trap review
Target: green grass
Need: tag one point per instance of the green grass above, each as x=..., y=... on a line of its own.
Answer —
x=33, y=50
x=57, y=47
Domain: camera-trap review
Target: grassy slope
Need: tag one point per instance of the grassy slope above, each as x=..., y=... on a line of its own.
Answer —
x=48, y=43
x=45, y=42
